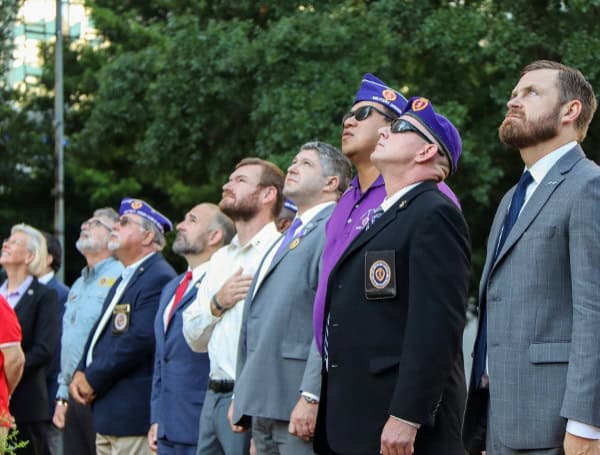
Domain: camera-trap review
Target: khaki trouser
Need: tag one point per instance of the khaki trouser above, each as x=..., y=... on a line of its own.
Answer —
x=122, y=445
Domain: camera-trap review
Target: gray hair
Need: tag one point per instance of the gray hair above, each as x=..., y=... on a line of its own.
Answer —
x=108, y=213
x=36, y=245
x=333, y=162
x=159, y=237
x=223, y=223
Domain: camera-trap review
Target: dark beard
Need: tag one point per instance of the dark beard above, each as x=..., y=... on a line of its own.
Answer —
x=181, y=247
x=243, y=210
x=530, y=133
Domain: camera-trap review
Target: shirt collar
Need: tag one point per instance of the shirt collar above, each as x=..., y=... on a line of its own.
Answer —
x=355, y=184
x=198, y=271
x=87, y=271
x=309, y=214
x=542, y=166
x=390, y=201
x=19, y=291
x=262, y=240
x=45, y=279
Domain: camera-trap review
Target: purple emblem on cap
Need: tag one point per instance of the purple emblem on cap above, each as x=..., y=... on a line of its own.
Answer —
x=374, y=89
x=444, y=132
x=143, y=209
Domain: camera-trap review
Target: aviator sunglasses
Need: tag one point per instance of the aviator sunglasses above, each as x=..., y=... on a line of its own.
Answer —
x=363, y=112
x=402, y=126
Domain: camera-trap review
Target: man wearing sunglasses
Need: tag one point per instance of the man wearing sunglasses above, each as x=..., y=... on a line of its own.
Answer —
x=115, y=371
x=393, y=381
x=83, y=307
x=375, y=106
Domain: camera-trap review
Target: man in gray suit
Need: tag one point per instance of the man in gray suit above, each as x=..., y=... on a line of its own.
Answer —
x=279, y=366
x=536, y=368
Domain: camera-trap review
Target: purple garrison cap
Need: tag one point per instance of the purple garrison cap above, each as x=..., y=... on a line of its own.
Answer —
x=143, y=209
x=444, y=132
x=374, y=89
x=290, y=205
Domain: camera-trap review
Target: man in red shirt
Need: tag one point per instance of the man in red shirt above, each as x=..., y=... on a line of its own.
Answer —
x=12, y=361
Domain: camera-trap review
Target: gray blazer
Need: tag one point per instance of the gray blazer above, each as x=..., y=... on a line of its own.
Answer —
x=277, y=355
x=543, y=303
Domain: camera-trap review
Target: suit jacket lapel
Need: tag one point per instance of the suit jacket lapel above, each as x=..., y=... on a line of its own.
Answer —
x=540, y=197
x=27, y=295
x=387, y=217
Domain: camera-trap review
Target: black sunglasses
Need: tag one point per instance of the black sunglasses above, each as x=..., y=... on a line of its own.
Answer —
x=402, y=126
x=363, y=112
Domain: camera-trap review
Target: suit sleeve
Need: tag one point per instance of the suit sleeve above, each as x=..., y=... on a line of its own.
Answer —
x=439, y=265
x=581, y=401
x=45, y=331
x=135, y=345
x=311, y=381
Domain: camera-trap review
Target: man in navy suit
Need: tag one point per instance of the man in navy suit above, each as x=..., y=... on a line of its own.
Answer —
x=115, y=372
x=54, y=261
x=181, y=375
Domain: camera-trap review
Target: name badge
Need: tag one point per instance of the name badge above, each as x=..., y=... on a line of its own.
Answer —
x=380, y=274
x=120, y=318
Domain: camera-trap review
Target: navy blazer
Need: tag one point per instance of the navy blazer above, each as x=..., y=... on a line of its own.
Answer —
x=180, y=375
x=121, y=369
x=37, y=311
x=53, y=369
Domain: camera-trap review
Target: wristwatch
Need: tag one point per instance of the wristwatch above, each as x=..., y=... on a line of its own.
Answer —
x=62, y=402
x=310, y=400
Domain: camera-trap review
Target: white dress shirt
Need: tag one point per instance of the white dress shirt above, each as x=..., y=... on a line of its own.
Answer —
x=197, y=274
x=126, y=275
x=219, y=335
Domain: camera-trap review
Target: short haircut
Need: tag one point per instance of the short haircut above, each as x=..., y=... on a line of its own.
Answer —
x=159, y=237
x=36, y=245
x=223, y=223
x=271, y=175
x=107, y=212
x=333, y=162
x=572, y=85
x=54, y=250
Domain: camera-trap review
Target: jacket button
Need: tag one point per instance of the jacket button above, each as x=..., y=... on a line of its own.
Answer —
x=165, y=359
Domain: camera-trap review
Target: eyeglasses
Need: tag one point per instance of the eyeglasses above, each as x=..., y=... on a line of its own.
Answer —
x=363, y=112
x=94, y=223
x=125, y=220
x=402, y=126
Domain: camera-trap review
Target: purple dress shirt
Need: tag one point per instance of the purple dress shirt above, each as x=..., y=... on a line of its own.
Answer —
x=13, y=297
x=348, y=219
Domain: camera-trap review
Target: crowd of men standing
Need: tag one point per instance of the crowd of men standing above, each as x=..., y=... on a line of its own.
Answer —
x=337, y=330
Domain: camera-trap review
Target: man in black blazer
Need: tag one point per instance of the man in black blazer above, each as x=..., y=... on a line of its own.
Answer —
x=393, y=378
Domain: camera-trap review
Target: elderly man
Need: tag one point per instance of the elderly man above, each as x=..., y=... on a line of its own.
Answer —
x=536, y=365
x=83, y=308
x=115, y=372
x=180, y=375
x=252, y=199
x=396, y=304
x=279, y=367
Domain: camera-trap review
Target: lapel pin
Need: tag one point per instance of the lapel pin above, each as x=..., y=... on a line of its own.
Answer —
x=402, y=203
x=30, y=291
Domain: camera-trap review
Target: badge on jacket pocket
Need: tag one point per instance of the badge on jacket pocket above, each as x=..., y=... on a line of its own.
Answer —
x=120, y=318
x=380, y=274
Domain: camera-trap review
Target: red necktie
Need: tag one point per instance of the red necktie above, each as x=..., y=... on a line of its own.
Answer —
x=179, y=293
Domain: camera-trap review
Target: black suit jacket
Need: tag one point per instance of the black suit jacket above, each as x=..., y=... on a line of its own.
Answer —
x=37, y=311
x=398, y=354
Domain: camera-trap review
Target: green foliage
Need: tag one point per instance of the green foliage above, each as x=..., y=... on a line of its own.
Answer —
x=180, y=90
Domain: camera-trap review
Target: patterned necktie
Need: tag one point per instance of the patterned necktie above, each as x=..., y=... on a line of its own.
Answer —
x=374, y=216
x=289, y=235
x=179, y=294
x=516, y=204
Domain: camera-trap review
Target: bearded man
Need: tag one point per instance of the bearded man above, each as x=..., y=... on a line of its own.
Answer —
x=535, y=368
x=252, y=198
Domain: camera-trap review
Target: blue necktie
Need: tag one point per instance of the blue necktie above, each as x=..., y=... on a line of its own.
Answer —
x=510, y=219
x=289, y=235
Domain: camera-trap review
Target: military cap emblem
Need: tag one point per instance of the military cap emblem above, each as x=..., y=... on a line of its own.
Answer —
x=389, y=95
x=380, y=274
x=419, y=104
x=136, y=205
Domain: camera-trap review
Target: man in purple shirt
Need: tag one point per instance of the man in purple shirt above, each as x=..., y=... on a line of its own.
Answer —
x=375, y=106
